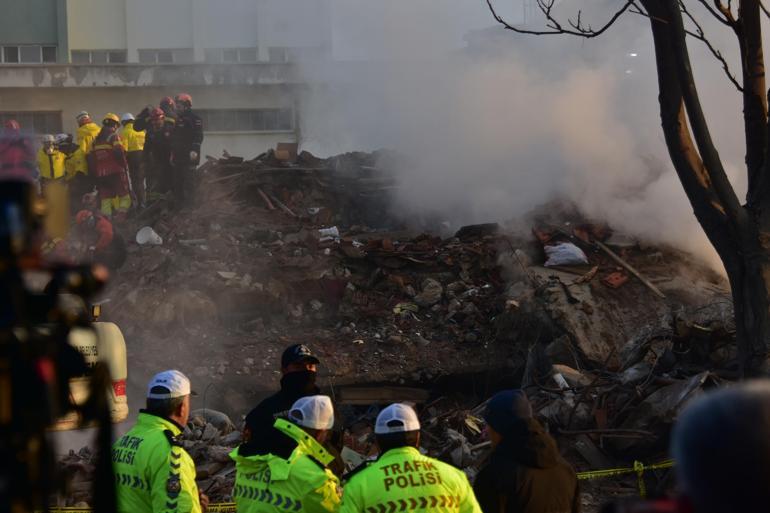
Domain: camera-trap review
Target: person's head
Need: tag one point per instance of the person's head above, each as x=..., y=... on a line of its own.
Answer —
x=298, y=358
x=111, y=121
x=49, y=143
x=83, y=118
x=157, y=117
x=183, y=102
x=168, y=396
x=11, y=127
x=167, y=105
x=397, y=426
x=721, y=445
x=126, y=118
x=314, y=414
x=507, y=414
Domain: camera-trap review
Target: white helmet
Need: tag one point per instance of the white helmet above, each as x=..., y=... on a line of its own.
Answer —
x=60, y=138
x=48, y=139
x=126, y=117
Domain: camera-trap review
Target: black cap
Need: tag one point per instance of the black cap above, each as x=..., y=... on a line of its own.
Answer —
x=506, y=410
x=298, y=353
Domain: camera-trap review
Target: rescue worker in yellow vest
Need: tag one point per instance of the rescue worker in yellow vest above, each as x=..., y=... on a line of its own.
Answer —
x=87, y=132
x=402, y=478
x=50, y=161
x=296, y=482
x=75, y=171
x=133, y=143
x=153, y=473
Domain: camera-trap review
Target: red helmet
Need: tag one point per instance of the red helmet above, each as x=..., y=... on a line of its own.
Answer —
x=167, y=102
x=83, y=216
x=184, y=98
x=12, y=125
x=157, y=114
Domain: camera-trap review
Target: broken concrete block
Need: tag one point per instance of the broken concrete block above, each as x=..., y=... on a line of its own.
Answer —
x=431, y=293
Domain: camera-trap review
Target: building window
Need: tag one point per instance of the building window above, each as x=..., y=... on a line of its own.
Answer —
x=27, y=54
x=41, y=122
x=247, y=120
x=278, y=54
x=230, y=55
x=167, y=56
x=98, y=56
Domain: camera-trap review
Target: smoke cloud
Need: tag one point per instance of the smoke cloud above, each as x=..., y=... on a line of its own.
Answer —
x=497, y=123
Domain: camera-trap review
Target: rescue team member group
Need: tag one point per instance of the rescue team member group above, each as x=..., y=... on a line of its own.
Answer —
x=116, y=159
x=286, y=462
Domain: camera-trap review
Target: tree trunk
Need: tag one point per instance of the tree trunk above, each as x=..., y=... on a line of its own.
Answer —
x=733, y=232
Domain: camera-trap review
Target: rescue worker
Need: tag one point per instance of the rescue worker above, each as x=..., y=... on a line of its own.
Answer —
x=525, y=472
x=17, y=154
x=97, y=241
x=297, y=480
x=402, y=476
x=133, y=144
x=75, y=170
x=157, y=147
x=153, y=473
x=107, y=164
x=299, y=368
x=50, y=161
x=168, y=106
x=87, y=132
x=185, y=147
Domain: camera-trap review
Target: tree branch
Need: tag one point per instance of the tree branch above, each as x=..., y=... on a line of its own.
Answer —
x=722, y=19
x=555, y=26
x=701, y=36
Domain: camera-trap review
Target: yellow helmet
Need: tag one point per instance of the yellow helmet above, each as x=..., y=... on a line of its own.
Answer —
x=111, y=117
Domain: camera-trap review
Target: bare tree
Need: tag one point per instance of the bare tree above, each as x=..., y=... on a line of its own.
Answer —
x=740, y=233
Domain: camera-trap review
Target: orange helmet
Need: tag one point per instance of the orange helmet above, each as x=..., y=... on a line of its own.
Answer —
x=157, y=114
x=12, y=125
x=83, y=216
x=184, y=98
x=167, y=101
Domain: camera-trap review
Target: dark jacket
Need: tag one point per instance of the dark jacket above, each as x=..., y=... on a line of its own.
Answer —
x=187, y=137
x=263, y=438
x=526, y=474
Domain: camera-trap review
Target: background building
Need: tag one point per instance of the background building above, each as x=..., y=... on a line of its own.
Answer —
x=235, y=57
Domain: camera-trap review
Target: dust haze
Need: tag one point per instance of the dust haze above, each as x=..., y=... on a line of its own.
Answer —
x=495, y=123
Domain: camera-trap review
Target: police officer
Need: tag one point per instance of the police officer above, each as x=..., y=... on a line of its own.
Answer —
x=298, y=481
x=402, y=478
x=153, y=473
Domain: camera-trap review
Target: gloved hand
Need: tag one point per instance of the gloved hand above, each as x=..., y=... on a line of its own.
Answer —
x=193, y=156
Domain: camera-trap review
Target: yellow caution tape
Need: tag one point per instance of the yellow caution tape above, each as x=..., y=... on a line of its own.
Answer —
x=639, y=468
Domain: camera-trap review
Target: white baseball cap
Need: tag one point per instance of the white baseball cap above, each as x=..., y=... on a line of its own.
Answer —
x=396, y=418
x=174, y=381
x=314, y=412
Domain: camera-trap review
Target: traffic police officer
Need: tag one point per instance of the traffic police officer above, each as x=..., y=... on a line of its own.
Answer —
x=403, y=479
x=153, y=473
x=299, y=481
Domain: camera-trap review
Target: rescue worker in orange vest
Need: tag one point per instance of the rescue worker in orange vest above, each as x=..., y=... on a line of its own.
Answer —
x=96, y=240
x=17, y=154
x=107, y=164
x=185, y=147
x=50, y=161
x=133, y=143
x=87, y=132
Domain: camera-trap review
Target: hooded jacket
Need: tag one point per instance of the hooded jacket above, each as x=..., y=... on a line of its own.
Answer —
x=267, y=483
x=526, y=474
x=261, y=437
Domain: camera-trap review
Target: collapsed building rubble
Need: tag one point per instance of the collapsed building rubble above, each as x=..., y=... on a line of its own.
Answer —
x=608, y=345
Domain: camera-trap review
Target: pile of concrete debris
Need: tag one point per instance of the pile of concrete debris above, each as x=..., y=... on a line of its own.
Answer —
x=609, y=336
